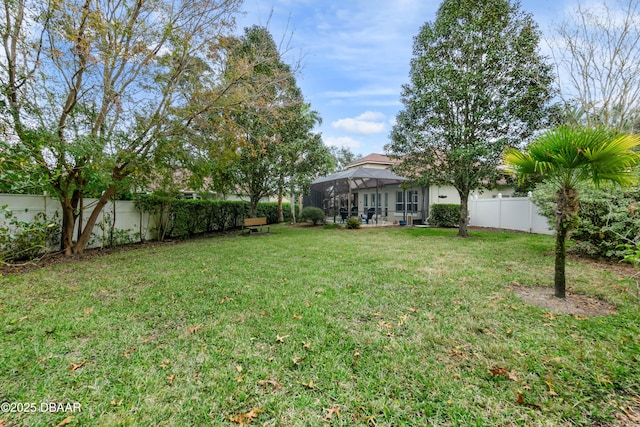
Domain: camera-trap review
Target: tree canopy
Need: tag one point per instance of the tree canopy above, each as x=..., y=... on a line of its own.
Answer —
x=90, y=88
x=477, y=85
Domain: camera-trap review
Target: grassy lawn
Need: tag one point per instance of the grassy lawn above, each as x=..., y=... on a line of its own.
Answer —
x=307, y=326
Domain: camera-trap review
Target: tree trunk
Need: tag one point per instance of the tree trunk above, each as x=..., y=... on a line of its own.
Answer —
x=464, y=213
x=69, y=217
x=280, y=211
x=566, y=211
x=253, y=207
x=81, y=244
x=68, y=224
x=559, y=280
x=300, y=207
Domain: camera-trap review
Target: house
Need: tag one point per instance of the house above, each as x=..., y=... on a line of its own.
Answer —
x=387, y=199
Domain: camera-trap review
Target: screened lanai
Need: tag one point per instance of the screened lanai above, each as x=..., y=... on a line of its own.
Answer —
x=337, y=194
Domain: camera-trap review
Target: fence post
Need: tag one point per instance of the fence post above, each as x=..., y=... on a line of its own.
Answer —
x=499, y=210
x=529, y=194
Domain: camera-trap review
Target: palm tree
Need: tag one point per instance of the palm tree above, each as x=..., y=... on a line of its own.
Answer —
x=567, y=156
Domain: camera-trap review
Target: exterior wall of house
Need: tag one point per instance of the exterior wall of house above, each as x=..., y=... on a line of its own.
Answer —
x=395, y=204
x=390, y=204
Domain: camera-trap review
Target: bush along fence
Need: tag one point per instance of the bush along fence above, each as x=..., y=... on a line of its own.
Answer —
x=30, y=225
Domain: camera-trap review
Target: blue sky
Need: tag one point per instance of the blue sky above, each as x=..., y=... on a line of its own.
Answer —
x=355, y=56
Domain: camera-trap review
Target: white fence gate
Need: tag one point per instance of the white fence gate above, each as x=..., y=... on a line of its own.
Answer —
x=510, y=213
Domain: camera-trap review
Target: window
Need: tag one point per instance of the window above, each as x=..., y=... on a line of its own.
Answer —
x=366, y=200
x=408, y=203
x=400, y=201
x=412, y=201
x=386, y=204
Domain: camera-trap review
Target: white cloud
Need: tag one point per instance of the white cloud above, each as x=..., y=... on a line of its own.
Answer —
x=371, y=115
x=367, y=123
x=342, y=141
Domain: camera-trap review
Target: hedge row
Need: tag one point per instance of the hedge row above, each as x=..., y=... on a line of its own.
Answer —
x=184, y=218
x=445, y=215
x=608, y=223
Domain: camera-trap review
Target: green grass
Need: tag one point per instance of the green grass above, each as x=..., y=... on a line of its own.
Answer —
x=389, y=327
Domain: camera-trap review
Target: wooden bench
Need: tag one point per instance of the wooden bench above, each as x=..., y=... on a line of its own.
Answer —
x=254, y=224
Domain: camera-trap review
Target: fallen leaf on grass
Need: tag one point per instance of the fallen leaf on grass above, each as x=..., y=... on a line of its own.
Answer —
x=297, y=317
x=274, y=383
x=298, y=360
x=128, y=353
x=331, y=411
x=118, y=403
x=88, y=310
x=246, y=418
x=520, y=401
x=306, y=345
x=550, y=385
x=65, y=421
x=497, y=371
x=170, y=378
x=194, y=329
x=309, y=385
x=549, y=316
x=403, y=318
x=384, y=324
x=502, y=372
x=457, y=352
x=281, y=339
x=76, y=366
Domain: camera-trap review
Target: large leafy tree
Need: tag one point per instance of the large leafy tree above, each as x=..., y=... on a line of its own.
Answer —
x=566, y=157
x=90, y=89
x=257, y=123
x=477, y=85
x=342, y=157
x=271, y=133
x=303, y=156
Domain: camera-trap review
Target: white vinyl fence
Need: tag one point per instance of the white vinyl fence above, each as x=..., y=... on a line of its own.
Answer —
x=129, y=226
x=509, y=213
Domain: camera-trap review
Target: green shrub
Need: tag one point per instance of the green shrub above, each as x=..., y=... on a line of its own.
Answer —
x=27, y=240
x=269, y=210
x=445, y=215
x=353, y=223
x=184, y=218
x=608, y=219
x=315, y=215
